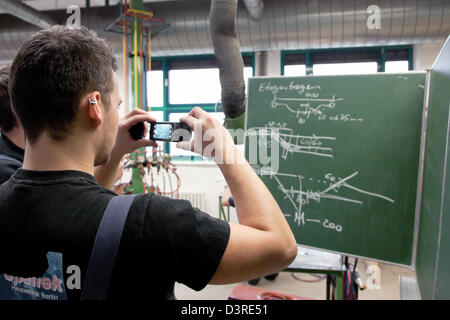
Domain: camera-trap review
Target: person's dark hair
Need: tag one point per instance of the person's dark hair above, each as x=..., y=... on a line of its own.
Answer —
x=7, y=118
x=53, y=69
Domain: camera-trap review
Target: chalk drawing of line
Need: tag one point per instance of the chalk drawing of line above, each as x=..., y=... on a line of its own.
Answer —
x=291, y=194
x=307, y=108
x=294, y=147
x=291, y=143
x=343, y=183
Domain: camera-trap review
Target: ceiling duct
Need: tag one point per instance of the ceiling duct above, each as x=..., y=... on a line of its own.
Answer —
x=286, y=25
x=22, y=11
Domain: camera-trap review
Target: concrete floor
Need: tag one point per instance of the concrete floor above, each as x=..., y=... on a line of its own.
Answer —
x=285, y=283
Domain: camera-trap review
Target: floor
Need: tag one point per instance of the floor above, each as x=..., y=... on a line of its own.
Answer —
x=285, y=283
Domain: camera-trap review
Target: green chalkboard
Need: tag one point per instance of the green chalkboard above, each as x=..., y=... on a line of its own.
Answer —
x=433, y=251
x=341, y=156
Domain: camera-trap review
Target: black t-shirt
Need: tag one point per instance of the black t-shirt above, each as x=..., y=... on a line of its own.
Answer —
x=7, y=148
x=164, y=240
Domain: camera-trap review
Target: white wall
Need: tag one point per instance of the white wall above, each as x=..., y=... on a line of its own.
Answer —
x=204, y=177
x=274, y=63
x=426, y=54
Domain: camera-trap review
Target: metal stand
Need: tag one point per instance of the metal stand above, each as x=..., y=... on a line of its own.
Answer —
x=320, y=262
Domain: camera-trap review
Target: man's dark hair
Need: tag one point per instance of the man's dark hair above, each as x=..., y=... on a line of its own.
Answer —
x=53, y=69
x=7, y=118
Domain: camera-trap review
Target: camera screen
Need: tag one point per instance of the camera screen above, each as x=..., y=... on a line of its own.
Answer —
x=163, y=131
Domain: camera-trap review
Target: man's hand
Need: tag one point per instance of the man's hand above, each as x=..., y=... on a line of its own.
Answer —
x=124, y=142
x=226, y=196
x=107, y=174
x=211, y=139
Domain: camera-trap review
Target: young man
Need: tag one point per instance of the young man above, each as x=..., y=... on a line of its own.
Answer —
x=12, y=139
x=65, y=93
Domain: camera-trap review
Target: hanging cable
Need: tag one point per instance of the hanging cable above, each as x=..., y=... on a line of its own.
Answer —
x=317, y=276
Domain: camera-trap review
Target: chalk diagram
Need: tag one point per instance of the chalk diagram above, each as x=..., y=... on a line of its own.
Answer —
x=298, y=191
x=291, y=143
x=304, y=108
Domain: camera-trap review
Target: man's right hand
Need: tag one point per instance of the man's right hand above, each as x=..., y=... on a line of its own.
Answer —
x=211, y=139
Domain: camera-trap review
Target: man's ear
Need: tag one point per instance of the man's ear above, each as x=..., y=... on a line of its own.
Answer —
x=95, y=111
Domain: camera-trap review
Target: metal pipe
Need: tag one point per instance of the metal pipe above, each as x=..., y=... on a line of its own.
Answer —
x=22, y=11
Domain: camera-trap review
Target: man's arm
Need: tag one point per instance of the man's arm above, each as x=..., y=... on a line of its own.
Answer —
x=262, y=243
x=107, y=174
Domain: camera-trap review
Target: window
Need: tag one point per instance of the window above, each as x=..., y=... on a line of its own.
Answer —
x=158, y=115
x=397, y=66
x=295, y=70
x=345, y=68
x=197, y=86
x=191, y=86
x=294, y=64
x=397, y=61
x=155, y=88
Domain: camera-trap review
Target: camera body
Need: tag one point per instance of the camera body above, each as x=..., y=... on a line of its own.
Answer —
x=163, y=131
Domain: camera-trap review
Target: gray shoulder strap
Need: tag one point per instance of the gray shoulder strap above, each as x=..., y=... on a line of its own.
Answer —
x=104, y=251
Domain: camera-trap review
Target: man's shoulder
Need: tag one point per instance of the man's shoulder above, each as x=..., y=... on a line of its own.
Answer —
x=7, y=169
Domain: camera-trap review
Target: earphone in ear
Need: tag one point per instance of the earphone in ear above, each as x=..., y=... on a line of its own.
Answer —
x=92, y=101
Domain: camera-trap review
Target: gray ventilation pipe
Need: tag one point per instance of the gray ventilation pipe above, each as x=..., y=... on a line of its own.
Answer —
x=228, y=56
x=22, y=11
x=255, y=8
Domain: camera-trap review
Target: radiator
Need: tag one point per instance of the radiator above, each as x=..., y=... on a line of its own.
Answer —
x=196, y=198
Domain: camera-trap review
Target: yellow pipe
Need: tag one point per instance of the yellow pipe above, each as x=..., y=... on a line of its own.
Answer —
x=135, y=65
x=125, y=83
x=147, y=13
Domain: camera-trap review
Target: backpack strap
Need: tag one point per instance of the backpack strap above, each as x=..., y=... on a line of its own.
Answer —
x=104, y=251
x=10, y=159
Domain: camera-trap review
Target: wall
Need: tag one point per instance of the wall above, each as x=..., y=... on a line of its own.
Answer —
x=204, y=178
x=426, y=54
